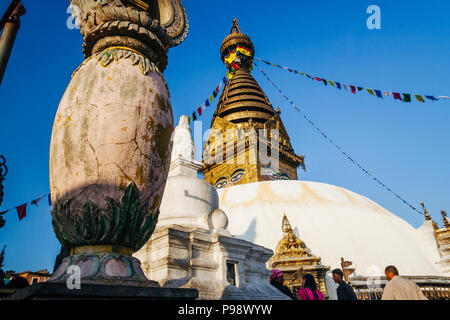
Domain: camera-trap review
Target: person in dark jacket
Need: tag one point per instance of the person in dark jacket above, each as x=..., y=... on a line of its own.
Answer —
x=277, y=280
x=344, y=291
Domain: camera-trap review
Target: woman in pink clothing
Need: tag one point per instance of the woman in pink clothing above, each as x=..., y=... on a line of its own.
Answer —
x=309, y=290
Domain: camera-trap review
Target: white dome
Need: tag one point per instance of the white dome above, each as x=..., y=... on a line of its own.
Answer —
x=332, y=221
x=187, y=201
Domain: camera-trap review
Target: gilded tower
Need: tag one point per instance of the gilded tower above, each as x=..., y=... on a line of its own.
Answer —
x=246, y=130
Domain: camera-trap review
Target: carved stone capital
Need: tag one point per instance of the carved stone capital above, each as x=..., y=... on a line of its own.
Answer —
x=123, y=23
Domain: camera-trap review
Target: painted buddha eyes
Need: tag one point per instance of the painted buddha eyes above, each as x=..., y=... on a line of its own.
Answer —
x=276, y=176
x=221, y=183
x=235, y=177
x=284, y=176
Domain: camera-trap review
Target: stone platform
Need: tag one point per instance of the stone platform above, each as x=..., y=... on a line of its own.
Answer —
x=59, y=291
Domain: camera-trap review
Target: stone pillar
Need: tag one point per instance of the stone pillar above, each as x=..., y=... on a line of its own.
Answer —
x=111, y=141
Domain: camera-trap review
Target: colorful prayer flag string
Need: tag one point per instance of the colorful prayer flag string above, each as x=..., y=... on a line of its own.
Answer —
x=334, y=144
x=200, y=110
x=22, y=209
x=378, y=93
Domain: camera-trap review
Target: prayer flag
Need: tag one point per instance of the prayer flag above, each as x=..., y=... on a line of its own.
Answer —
x=338, y=85
x=36, y=201
x=318, y=79
x=22, y=211
x=324, y=81
x=207, y=103
x=431, y=98
x=194, y=116
x=189, y=120
x=386, y=93
x=211, y=98
x=49, y=199
x=199, y=110
x=215, y=93
x=397, y=96
x=331, y=83
x=444, y=97
x=419, y=98
x=378, y=92
x=360, y=88
x=406, y=97
x=225, y=80
x=345, y=86
x=371, y=91
x=353, y=89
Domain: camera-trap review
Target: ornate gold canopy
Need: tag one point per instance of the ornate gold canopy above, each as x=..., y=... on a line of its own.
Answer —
x=295, y=259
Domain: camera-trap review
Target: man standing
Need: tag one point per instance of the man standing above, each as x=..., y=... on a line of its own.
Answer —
x=344, y=291
x=399, y=288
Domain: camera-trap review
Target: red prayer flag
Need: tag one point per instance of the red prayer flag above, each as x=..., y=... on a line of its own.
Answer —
x=318, y=79
x=199, y=110
x=353, y=89
x=397, y=96
x=22, y=211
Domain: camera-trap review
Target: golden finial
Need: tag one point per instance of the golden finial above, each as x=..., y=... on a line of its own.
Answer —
x=427, y=216
x=235, y=27
x=444, y=217
x=286, y=227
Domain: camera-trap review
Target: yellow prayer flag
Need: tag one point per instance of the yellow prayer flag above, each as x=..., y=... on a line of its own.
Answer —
x=419, y=98
x=331, y=82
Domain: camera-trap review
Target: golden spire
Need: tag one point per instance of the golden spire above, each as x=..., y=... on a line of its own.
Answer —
x=235, y=27
x=427, y=216
x=286, y=226
x=444, y=217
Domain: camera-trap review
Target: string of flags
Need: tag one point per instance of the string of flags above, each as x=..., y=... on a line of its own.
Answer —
x=22, y=209
x=335, y=145
x=208, y=101
x=405, y=97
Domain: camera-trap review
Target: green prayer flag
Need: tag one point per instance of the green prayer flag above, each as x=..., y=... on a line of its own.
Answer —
x=371, y=91
x=194, y=116
x=189, y=120
x=406, y=97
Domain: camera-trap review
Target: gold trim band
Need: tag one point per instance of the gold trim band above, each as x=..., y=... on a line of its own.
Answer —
x=101, y=249
x=124, y=48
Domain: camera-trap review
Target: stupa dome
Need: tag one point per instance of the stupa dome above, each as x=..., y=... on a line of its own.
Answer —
x=332, y=221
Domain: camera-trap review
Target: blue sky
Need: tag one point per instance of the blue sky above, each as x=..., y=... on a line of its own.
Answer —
x=404, y=144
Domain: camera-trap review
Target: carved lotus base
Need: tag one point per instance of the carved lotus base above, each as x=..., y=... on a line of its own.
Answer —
x=107, y=268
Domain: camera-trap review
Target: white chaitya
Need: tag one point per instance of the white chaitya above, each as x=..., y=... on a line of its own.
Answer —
x=191, y=246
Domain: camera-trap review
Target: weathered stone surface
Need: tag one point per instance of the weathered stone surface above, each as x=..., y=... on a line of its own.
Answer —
x=112, y=128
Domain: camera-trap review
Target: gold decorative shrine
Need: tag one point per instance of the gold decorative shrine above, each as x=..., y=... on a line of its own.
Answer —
x=231, y=152
x=294, y=259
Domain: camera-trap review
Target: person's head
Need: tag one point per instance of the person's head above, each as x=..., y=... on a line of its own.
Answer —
x=277, y=276
x=338, y=275
x=390, y=272
x=309, y=281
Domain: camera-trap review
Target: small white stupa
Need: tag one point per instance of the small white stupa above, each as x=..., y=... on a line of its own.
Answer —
x=191, y=246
